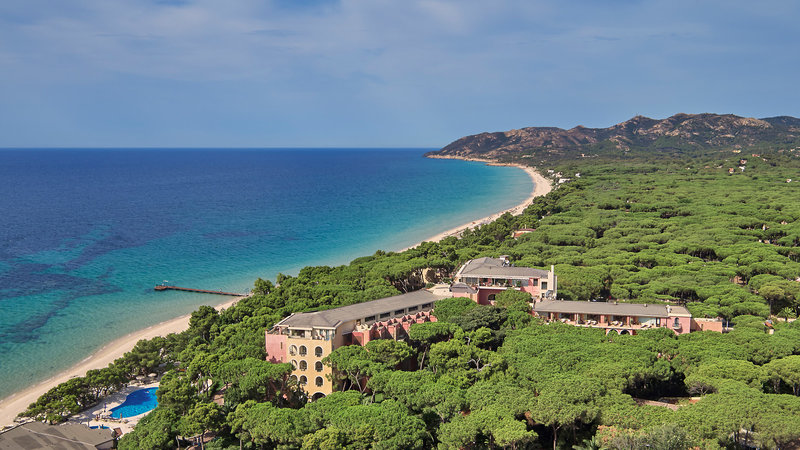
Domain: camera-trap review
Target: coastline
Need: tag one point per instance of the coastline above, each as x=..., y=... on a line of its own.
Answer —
x=19, y=401
x=542, y=186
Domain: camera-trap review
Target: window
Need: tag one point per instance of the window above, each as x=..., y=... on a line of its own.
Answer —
x=369, y=319
x=293, y=350
x=303, y=365
x=544, y=285
x=427, y=305
x=294, y=364
x=293, y=378
x=303, y=350
x=318, y=366
x=535, y=282
x=318, y=352
x=385, y=315
x=303, y=380
x=413, y=308
x=319, y=381
x=399, y=312
x=491, y=297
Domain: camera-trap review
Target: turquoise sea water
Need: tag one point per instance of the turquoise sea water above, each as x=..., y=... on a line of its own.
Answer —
x=86, y=234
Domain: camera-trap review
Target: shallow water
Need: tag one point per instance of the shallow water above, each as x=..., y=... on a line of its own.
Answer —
x=86, y=234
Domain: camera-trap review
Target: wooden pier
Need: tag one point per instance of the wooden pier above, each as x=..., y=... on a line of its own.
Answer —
x=163, y=287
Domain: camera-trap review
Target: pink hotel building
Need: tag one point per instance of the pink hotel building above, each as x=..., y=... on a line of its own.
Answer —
x=483, y=278
x=304, y=339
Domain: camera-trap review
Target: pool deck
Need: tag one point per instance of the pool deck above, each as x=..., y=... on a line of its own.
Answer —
x=90, y=416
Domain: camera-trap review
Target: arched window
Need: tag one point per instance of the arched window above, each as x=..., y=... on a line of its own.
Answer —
x=293, y=378
x=303, y=350
x=490, y=297
x=294, y=364
x=318, y=366
x=303, y=365
x=293, y=350
x=319, y=381
x=318, y=352
x=303, y=380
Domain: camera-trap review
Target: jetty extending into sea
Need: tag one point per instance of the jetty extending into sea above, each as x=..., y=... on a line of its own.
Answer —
x=163, y=287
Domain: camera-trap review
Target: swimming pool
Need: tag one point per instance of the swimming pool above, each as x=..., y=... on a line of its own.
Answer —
x=137, y=402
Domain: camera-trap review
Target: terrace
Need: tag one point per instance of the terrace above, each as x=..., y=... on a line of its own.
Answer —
x=629, y=323
x=620, y=317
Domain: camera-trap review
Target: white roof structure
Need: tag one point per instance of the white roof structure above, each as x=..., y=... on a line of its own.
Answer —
x=611, y=309
x=498, y=268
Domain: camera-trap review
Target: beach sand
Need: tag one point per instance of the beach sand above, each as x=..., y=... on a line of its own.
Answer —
x=541, y=187
x=17, y=403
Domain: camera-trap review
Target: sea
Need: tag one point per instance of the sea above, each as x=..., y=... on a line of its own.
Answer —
x=86, y=234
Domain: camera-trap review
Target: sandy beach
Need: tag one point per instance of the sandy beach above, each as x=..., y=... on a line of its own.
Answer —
x=18, y=402
x=541, y=187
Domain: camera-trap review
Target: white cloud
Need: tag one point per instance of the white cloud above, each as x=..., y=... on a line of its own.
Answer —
x=468, y=64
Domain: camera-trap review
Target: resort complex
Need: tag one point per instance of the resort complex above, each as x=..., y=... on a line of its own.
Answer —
x=305, y=338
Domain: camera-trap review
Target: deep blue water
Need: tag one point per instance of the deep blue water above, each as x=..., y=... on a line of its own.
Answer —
x=86, y=234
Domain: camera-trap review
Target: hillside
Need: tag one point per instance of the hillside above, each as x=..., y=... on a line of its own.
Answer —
x=675, y=136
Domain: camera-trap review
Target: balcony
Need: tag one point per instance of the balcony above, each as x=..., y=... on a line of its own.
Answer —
x=614, y=324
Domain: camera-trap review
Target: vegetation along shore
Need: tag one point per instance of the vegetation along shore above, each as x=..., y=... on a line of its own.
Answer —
x=694, y=211
x=541, y=186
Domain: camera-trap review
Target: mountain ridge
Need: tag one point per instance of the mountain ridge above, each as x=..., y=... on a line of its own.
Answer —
x=678, y=133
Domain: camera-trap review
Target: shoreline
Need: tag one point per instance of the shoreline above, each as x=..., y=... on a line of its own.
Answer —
x=542, y=186
x=16, y=403
x=19, y=401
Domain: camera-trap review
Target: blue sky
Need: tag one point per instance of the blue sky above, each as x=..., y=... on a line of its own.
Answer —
x=261, y=73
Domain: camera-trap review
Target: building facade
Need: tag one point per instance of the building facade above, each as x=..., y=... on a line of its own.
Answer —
x=624, y=318
x=483, y=278
x=304, y=339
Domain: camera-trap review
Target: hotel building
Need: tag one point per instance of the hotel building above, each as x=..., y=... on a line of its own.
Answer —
x=624, y=318
x=483, y=278
x=305, y=338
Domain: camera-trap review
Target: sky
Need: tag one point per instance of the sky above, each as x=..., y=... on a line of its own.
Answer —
x=376, y=73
